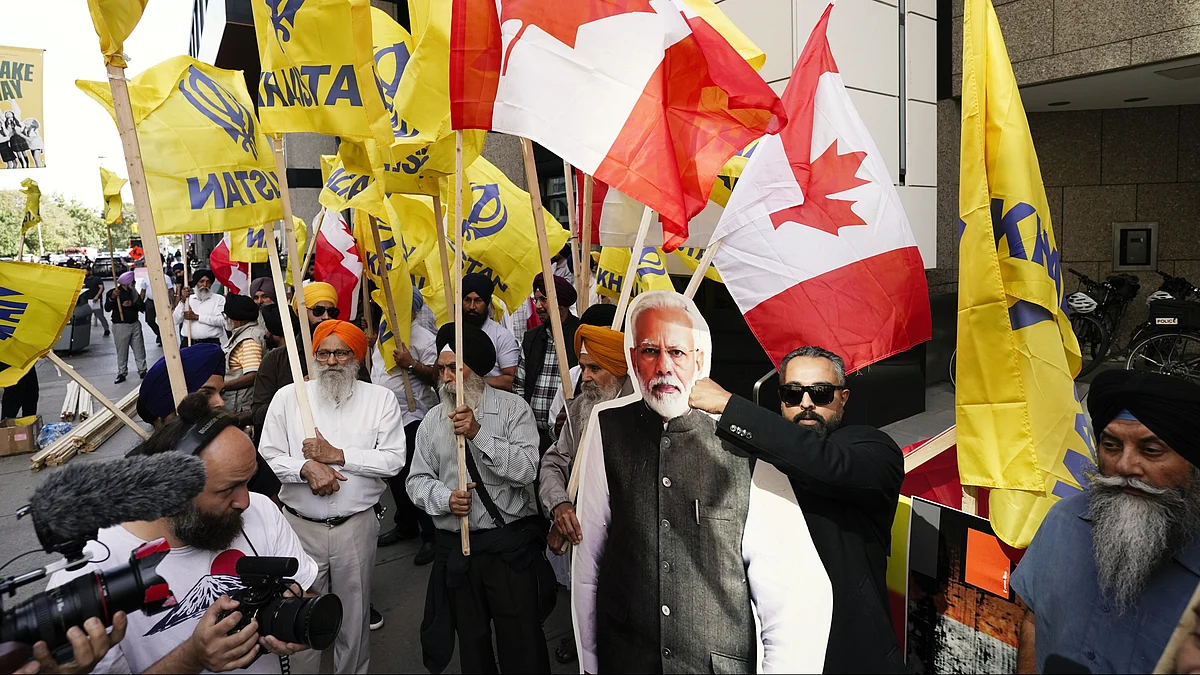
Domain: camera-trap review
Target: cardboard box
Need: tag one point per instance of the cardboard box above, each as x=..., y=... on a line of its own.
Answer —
x=19, y=439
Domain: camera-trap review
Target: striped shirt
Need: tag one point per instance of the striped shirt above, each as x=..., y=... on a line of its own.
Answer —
x=246, y=356
x=505, y=451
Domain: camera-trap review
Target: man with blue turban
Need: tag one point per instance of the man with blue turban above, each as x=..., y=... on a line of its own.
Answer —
x=203, y=370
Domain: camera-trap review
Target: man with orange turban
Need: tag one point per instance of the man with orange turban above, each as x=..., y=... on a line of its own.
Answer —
x=359, y=443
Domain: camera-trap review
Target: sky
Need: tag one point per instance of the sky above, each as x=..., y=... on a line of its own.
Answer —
x=79, y=135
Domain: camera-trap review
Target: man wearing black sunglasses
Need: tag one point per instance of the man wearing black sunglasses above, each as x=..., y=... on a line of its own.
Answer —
x=846, y=481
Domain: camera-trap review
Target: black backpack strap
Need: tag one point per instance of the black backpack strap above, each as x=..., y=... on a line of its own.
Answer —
x=484, y=497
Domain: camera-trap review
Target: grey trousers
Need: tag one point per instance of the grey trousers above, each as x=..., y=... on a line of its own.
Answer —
x=124, y=336
x=99, y=314
x=345, y=557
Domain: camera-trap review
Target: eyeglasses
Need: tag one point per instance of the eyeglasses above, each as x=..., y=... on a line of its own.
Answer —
x=333, y=312
x=339, y=354
x=792, y=394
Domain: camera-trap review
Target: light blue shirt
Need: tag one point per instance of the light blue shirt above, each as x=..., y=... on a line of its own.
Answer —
x=1057, y=580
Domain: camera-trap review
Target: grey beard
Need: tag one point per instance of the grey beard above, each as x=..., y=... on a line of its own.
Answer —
x=580, y=410
x=335, y=382
x=1133, y=535
x=472, y=393
x=206, y=532
x=203, y=294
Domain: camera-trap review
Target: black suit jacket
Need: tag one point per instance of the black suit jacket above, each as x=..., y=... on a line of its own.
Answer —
x=847, y=485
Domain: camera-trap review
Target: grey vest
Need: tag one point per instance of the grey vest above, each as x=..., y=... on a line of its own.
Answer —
x=671, y=590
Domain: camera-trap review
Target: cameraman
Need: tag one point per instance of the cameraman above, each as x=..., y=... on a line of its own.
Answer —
x=221, y=525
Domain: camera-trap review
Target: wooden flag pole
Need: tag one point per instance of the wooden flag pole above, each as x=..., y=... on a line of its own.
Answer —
x=390, y=301
x=123, y=111
x=573, y=227
x=289, y=240
x=187, y=301
x=311, y=245
x=289, y=338
x=631, y=271
x=113, y=407
x=441, y=239
x=464, y=522
x=112, y=260
x=369, y=326
x=585, y=296
x=701, y=269
x=539, y=223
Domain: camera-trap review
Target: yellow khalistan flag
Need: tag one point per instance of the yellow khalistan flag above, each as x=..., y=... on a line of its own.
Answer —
x=33, y=205
x=114, y=20
x=352, y=182
x=36, y=301
x=499, y=239
x=114, y=207
x=249, y=244
x=413, y=72
x=208, y=165
x=651, y=274
x=318, y=74
x=1021, y=430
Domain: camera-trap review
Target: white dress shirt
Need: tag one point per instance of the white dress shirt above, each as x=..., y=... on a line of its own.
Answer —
x=367, y=427
x=423, y=347
x=211, y=313
x=144, y=284
x=789, y=587
x=508, y=352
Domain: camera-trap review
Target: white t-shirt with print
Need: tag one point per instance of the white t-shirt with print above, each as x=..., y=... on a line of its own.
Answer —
x=197, y=578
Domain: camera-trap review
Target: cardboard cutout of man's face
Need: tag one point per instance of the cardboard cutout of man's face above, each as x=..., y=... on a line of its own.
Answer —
x=668, y=348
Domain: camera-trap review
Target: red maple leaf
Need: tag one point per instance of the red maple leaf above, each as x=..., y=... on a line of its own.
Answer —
x=829, y=174
x=563, y=19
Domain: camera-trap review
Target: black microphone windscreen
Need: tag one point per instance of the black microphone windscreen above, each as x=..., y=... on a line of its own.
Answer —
x=85, y=497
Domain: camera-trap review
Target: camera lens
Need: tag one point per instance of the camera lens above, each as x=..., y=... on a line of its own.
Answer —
x=308, y=621
x=48, y=615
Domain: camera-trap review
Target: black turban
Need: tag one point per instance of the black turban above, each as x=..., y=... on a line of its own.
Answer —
x=240, y=308
x=480, y=284
x=274, y=324
x=478, y=353
x=202, y=273
x=564, y=289
x=1168, y=406
x=200, y=362
x=599, y=315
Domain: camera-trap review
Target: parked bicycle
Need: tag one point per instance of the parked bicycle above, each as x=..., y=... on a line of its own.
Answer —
x=1169, y=341
x=1097, y=312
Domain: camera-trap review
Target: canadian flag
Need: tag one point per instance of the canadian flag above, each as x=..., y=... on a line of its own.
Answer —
x=232, y=275
x=617, y=216
x=337, y=262
x=645, y=95
x=814, y=244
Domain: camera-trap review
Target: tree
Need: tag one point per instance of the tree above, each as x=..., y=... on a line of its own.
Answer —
x=65, y=223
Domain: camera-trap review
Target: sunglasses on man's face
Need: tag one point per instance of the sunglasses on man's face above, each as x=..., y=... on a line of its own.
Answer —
x=333, y=312
x=792, y=394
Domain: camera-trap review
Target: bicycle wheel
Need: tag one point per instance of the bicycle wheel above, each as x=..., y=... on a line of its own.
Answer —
x=1093, y=341
x=1176, y=354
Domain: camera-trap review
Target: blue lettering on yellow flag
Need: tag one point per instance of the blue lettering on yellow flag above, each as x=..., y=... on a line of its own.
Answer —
x=11, y=312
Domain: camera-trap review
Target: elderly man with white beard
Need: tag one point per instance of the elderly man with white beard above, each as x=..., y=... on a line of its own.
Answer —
x=499, y=584
x=203, y=310
x=666, y=576
x=1111, y=570
x=332, y=483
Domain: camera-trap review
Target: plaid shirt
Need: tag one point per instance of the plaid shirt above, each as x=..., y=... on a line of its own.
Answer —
x=545, y=385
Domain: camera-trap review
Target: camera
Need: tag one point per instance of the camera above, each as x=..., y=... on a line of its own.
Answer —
x=48, y=615
x=314, y=622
